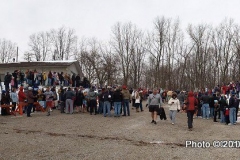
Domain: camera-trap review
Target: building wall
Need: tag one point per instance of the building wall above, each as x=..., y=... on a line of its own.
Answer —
x=72, y=69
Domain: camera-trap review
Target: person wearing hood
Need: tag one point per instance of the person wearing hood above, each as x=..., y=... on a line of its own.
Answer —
x=190, y=105
x=21, y=99
x=174, y=107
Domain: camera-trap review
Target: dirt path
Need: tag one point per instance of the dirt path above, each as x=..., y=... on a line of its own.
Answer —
x=84, y=136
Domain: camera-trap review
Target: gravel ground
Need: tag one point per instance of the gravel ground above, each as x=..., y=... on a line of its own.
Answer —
x=84, y=136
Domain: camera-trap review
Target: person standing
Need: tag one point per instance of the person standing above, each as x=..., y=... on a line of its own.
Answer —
x=21, y=98
x=14, y=98
x=141, y=99
x=181, y=98
x=5, y=99
x=223, y=105
x=236, y=105
x=100, y=101
x=133, y=98
x=69, y=101
x=73, y=80
x=174, y=107
x=154, y=102
x=78, y=81
x=117, y=99
x=49, y=100
x=137, y=101
x=50, y=76
x=107, y=98
x=30, y=101
x=44, y=79
x=79, y=100
x=232, y=109
x=126, y=100
x=92, y=97
x=205, y=106
x=190, y=106
x=7, y=80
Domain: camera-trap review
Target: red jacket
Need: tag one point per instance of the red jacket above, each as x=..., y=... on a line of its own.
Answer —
x=21, y=95
x=191, y=102
x=227, y=112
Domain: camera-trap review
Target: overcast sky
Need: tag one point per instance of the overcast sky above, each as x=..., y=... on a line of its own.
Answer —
x=95, y=18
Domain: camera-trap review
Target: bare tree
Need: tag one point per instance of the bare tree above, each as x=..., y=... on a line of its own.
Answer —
x=223, y=44
x=123, y=42
x=138, y=54
x=28, y=56
x=200, y=37
x=40, y=44
x=64, y=43
x=8, y=50
x=157, y=40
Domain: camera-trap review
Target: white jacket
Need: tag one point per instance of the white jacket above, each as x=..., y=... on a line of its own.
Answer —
x=137, y=100
x=174, y=104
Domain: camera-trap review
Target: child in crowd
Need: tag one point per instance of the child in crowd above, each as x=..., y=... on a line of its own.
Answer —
x=227, y=116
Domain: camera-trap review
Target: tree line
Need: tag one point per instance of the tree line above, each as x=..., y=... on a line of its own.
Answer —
x=166, y=56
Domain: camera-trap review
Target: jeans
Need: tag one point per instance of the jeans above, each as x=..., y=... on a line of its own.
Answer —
x=126, y=106
x=190, y=114
x=65, y=83
x=211, y=112
x=49, y=81
x=117, y=108
x=93, y=106
x=237, y=113
x=69, y=106
x=205, y=108
x=232, y=115
x=172, y=115
x=100, y=108
x=7, y=87
x=141, y=108
x=106, y=107
x=222, y=117
x=29, y=109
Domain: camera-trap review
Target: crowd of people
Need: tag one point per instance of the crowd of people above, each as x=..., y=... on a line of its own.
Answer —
x=51, y=78
x=75, y=99
x=220, y=104
x=71, y=95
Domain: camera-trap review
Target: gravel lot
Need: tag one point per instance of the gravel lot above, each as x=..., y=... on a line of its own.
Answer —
x=84, y=136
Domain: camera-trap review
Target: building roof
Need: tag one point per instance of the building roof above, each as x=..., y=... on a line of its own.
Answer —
x=37, y=63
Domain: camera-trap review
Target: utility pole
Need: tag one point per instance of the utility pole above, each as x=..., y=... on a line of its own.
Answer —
x=17, y=55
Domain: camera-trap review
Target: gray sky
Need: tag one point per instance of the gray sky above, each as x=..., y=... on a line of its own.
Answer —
x=95, y=18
